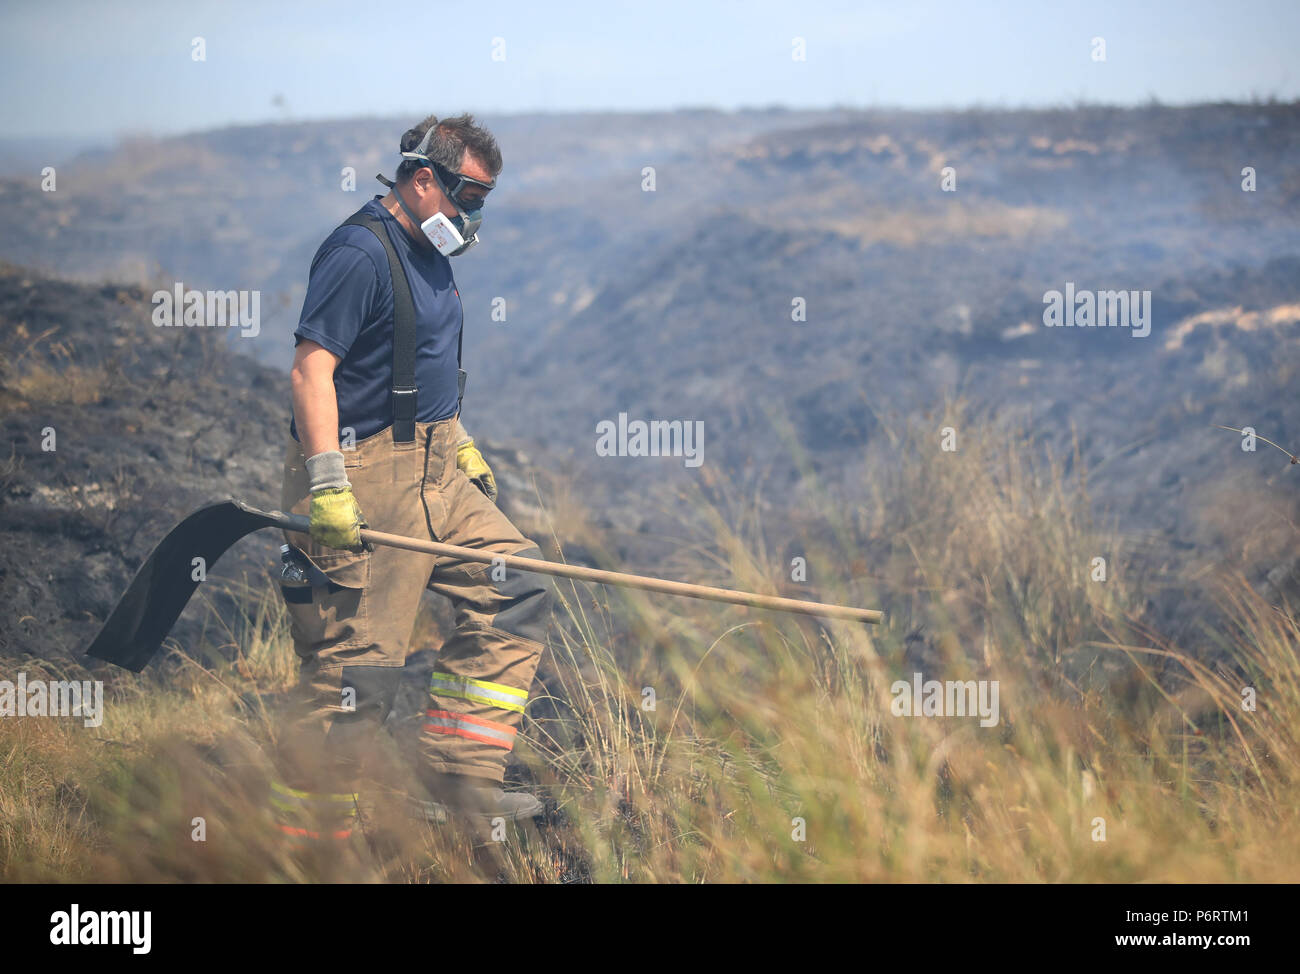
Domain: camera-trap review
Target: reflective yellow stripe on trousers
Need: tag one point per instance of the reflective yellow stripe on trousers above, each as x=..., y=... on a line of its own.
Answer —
x=478, y=691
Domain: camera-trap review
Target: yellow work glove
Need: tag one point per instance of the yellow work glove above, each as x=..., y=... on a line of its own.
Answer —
x=336, y=518
x=470, y=460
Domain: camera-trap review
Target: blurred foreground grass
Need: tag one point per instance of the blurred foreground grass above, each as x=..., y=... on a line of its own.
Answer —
x=690, y=742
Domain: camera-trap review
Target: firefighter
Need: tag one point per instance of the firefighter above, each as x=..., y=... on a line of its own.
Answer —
x=376, y=439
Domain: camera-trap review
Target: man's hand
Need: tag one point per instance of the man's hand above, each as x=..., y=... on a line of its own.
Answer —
x=470, y=460
x=336, y=518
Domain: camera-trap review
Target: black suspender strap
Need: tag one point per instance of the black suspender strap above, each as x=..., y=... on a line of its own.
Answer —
x=460, y=373
x=404, y=388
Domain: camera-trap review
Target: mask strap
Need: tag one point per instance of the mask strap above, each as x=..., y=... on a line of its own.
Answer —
x=409, y=212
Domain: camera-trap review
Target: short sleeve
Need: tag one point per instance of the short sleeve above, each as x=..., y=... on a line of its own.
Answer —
x=341, y=295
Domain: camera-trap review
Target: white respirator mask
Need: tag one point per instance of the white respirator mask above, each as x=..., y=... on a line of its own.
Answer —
x=447, y=237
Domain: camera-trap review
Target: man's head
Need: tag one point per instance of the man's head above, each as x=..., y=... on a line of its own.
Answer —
x=465, y=157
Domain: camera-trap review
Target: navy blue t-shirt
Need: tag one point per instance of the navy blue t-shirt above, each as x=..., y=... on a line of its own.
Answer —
x=349, y=310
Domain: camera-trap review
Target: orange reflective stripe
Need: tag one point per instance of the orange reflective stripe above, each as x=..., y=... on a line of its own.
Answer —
x=307, y=834
x=472, y=728
x=471, y=719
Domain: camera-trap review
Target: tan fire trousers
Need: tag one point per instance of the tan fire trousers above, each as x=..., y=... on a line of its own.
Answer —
x=352, y=634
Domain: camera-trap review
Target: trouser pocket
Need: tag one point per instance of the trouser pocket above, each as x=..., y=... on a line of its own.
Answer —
x=327, y=612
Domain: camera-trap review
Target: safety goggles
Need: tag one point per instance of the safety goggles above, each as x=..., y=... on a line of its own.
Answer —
x=456, y=184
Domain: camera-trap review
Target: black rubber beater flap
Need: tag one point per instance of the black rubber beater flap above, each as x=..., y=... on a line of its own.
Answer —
x=165, y=582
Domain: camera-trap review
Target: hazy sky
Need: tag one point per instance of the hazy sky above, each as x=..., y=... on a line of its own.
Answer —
x=102, y=68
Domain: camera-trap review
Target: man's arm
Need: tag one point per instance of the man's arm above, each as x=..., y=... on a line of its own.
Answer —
x=340, y=300
x=315, y=404
x=336, y=519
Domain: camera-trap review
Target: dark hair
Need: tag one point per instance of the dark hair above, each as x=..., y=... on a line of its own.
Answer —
x=451, y=140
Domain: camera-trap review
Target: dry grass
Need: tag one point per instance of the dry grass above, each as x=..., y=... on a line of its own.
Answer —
x=908, y=228
x=44, y=371
x=72, y=384
x=771, y=753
